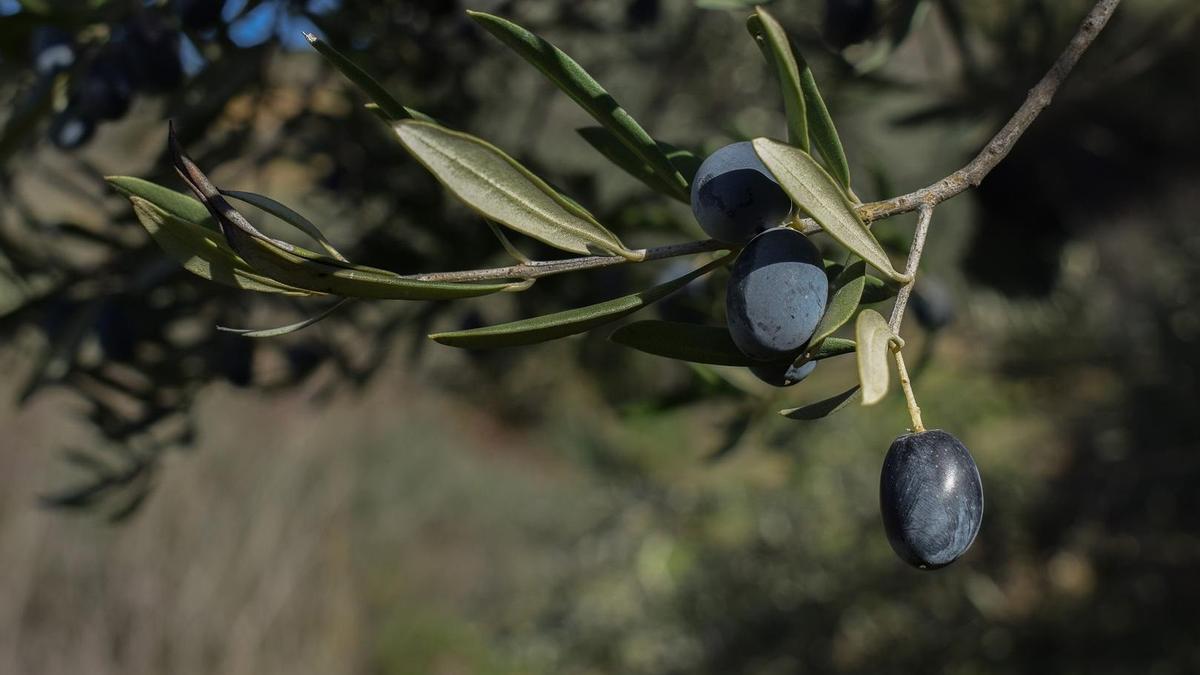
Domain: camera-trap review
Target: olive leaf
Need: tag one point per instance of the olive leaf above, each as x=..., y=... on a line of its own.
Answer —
x=813, y=190
x=575, y=82
x=701, y=344
x=290, y=328
x=844, y=304
x=499, y=188
x=389, y=108
x=202, y=251
x=571, y=321
x=878, y=290
x=777, y=49
x=820, y=409
x=874, y=338
x=823, y=133
x=287, y=215
x=618, y=153
x=297, y=267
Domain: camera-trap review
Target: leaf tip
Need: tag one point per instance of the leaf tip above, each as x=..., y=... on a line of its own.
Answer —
x=311, y=37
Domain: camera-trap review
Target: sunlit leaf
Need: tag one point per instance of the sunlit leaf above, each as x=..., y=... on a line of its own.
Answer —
x=777, y=49
x=574, y=81
x=874, y=338
x=568, y=322
x=287, y=215
x=390, y=108
x=499, y=188
x=822, y=132
x=815, y=192
x=823, y=408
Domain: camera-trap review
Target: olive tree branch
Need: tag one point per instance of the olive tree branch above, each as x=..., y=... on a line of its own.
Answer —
x=924, y=216
x=972, y=174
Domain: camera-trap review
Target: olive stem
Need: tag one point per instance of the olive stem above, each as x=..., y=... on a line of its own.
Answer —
x=914, y=410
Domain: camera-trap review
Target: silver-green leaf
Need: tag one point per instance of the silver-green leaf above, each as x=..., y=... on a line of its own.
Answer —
x=500, y=188
x=824, y=408
x=814, y=191
x=777, y=49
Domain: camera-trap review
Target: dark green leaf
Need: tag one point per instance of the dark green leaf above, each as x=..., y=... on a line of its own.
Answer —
x=815, y=411
x=390, y=108
x=821, y=128
x=498, y=187
x=701, y=344
x=878, y=290
x=815, y=192
x=618, y=153
x=777, y=49
x=573, y=80
x=569, y=322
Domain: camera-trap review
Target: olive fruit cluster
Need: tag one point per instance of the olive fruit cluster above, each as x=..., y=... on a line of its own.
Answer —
x=931, y=498
x=778, y=287
x=141, y=53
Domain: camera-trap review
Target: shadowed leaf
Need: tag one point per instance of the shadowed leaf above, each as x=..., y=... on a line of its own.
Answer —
x=874, y=339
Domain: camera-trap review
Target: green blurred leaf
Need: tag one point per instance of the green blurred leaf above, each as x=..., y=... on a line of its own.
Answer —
x=844, y=303
x=390, y=108
x=618, y=153
x=498, y=187
x=729, y=4
x=575, y=82
x=815, y=192
x=874, y=338
x=815, y=411
x=777, y=49
x=568, y=322
x=288, y=216
x=701, y=344
x=290, y=328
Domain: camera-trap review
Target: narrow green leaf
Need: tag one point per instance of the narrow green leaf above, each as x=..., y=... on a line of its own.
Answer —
x=618, y=153
x=290, y=328
x=683, y=341
x=287, y=215
x=390, y=108
x=874, y=339
x=844, y=303
x=568, y=322
x=178, y=204
x=702, y=344
x=777, y=49
x=728, y=4
x=820, y=125
x=815, y=192
x=498, y=187
x=202, y=251
x=815, y=411
x=878, y=290
x=575, y=82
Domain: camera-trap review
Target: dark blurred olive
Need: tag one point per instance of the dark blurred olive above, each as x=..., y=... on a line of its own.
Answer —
x=848, y=22
x=105, y=91
x=200, y=14
x=304, y=358
x=70, y=129
x=152, y=53
x=52, y=50
x=932, y=304
x=116, y=331
x=642, y=13
x=236, y=359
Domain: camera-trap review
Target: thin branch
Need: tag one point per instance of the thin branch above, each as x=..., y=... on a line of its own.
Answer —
x=542, y=268
x=910, y=268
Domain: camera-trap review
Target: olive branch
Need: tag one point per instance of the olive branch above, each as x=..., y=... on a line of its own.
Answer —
x=214, y=240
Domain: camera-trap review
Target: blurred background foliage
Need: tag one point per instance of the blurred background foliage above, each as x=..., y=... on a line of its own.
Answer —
x=353, y=498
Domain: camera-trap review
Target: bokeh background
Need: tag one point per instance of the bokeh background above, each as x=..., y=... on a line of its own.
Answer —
x=355, y=499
